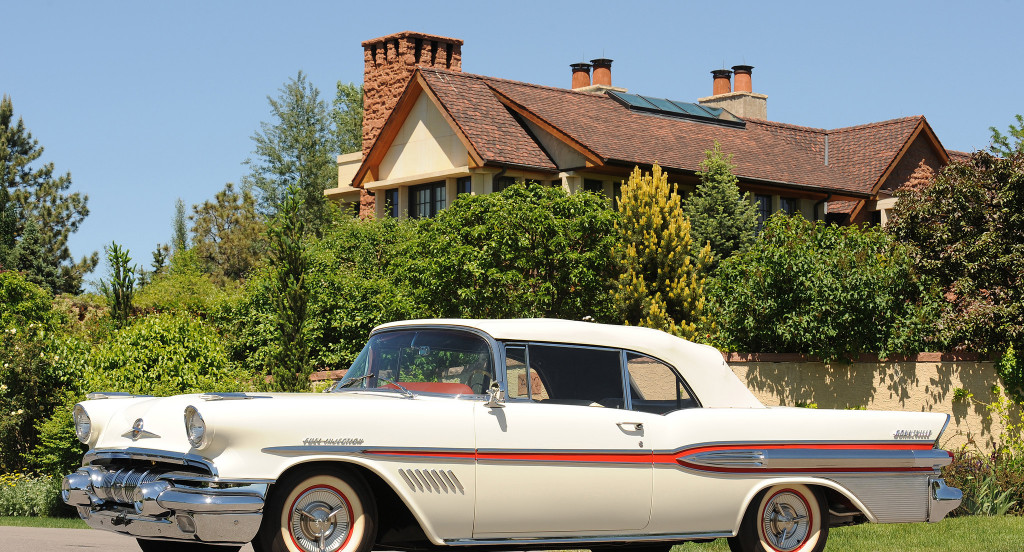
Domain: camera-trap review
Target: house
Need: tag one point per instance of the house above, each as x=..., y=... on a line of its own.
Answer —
x=431, y=132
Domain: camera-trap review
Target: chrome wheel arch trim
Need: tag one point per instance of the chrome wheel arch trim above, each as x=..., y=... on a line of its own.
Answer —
x=765, y=484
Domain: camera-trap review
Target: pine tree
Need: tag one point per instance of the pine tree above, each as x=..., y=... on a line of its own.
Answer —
x=347, y=116
x=42, y=197
x=718, y=214
x=662, y=282
x=297, y=150
x=228, y=234
x=32, y=257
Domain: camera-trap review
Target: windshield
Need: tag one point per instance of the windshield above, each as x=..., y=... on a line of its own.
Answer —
x=438, y=361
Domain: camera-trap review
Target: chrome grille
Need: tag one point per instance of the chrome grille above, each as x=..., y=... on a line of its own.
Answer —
x=432, y=481
x=119, y=486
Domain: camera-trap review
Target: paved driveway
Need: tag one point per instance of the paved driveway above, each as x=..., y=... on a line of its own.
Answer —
x=64, y=540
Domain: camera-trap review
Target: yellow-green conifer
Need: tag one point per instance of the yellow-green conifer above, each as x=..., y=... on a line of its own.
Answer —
x=661, y=284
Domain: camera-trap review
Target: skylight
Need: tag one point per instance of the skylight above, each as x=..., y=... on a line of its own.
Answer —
x=677, y=109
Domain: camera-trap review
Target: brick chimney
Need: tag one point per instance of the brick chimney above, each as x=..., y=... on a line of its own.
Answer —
x=602, y=71
x=389, y=62
x=741, y=100
x=580, y=75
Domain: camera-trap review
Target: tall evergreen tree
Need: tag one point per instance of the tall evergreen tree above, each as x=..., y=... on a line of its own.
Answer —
x=8, y=224
x=32, y=257
x=289, y=364
x=297, y=149
x=662, y=282
x=179, y=240
x=718, y=214
x=120, y=290
x=41, y=196
x=347, y=116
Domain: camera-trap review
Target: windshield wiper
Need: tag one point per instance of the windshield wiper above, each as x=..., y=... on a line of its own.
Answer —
x=405, y=392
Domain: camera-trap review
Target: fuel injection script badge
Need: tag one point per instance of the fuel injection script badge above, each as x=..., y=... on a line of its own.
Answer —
x=342, y=441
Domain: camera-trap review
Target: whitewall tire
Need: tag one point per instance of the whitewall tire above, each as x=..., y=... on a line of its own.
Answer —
x=784, y=518
x=314, y=511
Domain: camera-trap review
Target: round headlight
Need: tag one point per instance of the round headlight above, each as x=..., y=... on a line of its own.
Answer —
x=195, y=427
x=83, y=425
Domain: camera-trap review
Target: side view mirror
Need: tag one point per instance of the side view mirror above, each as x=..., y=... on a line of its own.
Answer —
x=495, y=396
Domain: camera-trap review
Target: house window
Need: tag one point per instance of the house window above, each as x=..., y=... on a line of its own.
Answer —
x=503, y=182
x=391, y=202
x=464, y=185
x=789, y=205
x=426, y=200
x=764, y=208
x=595, y=186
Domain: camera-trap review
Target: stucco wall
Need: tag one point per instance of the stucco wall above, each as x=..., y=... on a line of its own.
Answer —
x=907, y=386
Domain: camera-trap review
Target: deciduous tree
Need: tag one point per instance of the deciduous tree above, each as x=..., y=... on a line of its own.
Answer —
x=966, y=230
x=41, y=196
x=347, y=116
x=662, y=281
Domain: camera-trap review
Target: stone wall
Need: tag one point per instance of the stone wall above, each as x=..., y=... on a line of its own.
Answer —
x=920, y=384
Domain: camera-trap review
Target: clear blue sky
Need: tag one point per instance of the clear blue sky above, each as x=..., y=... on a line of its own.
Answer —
x=146, y=102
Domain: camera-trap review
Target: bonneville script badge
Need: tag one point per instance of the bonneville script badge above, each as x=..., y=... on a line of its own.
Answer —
x=913, y=434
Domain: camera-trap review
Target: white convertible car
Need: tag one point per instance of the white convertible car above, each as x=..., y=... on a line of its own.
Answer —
x=514, y=434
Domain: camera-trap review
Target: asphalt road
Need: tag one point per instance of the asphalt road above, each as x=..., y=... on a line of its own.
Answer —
x=64, y=540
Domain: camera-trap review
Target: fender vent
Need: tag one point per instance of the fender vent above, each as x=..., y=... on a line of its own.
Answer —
x=432, y=481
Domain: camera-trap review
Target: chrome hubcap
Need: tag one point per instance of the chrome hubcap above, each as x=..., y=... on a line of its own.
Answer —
x=786, y=521
x=320, y=520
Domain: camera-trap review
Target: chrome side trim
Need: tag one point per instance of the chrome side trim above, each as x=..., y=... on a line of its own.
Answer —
x=229, y=396
x=151, y=455
x=100, y=395
x=891, y=498
x=730, y=459
x=798, y=459
x=792, y=444
x=584, y=540
x=437, y=481
x=407, y=452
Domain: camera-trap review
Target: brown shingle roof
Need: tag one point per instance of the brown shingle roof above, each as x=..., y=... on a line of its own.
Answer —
x=763, y=151
x=497, y=136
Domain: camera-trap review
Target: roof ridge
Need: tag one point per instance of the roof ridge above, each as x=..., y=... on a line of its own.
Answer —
x=877, y=124
x=765, y=122
x=510, y=81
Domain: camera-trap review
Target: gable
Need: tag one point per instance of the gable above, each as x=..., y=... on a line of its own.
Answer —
x=425, y=143
x=916, y=167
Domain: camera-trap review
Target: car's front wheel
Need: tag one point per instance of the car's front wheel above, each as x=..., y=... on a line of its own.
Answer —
x=784, y=518
x=318, y=511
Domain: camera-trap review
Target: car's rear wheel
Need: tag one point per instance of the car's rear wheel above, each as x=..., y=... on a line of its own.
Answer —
x=784, y=518
x=318, y=511
x=149, y=545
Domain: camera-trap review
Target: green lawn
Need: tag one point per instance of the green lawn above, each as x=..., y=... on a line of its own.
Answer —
x=964, y=534
x=49, y=522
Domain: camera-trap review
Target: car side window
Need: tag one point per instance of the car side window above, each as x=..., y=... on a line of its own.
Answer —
x=565, y=374
x=655, y=387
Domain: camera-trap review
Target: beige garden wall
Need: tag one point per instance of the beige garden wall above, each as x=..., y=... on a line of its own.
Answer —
x=916, y=385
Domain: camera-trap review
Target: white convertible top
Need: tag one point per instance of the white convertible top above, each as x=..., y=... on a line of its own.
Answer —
x=701, y=365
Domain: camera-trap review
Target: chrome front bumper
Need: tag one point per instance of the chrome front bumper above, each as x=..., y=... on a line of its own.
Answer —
x=941, y=499
x=167, y=505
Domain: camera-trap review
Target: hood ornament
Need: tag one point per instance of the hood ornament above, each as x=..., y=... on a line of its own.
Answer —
x=137, y=432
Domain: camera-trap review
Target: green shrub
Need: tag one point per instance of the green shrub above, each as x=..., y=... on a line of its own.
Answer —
x=812, y=288
x=23, y=303
x=992, y=484
x=26, y=495
x=164, y=354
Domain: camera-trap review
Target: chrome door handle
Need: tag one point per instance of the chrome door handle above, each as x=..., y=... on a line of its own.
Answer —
x=637, y=426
